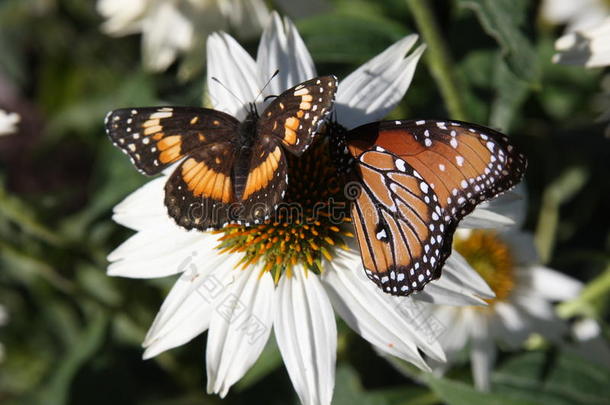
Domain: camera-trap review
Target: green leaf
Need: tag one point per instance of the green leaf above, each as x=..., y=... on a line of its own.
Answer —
x=557, y=380
x=458, y=393
x=592, y=301
x=349, y=390
x=510, y=95
x=407, y=395
x=57, y=389
x=343, y=38
x=501, y=19
x=16, y=210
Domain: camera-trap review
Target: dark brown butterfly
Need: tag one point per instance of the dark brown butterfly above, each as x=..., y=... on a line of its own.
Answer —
x=418, y=179
x=231, y=171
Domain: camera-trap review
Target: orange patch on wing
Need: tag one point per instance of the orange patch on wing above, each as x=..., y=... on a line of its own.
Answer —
x=171, y=154
x=153, y=129
x=379, y=160
x=203, y=183
x=218, y=187
x=150, y=123
x=169, y=142
x=292, y=123
x=261, y=175
x=196, y=183
x=290, y=137
x=190, y=169
x=227, y=193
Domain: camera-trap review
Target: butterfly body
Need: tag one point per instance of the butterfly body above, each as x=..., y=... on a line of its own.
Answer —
x=418, y=179
x=229, y=171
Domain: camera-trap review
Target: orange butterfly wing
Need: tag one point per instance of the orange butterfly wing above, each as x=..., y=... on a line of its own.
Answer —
x=461, y=164
x=398, y=223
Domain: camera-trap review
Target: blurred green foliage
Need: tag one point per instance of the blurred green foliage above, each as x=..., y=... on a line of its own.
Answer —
x=74, y=334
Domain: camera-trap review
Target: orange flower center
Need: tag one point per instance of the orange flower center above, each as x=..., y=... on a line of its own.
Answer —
x=491, y=258
x=307, y=227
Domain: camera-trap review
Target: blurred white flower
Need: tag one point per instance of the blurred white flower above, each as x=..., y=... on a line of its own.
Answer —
x=3, y=321
x=575, y=14
x=589, y=341
x=590, y=47
x=239, y=308
x=172, y=27
x=8, y=122
x=523, y=304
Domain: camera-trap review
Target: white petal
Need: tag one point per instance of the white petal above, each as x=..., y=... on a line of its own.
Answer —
x=247, y=17
x=532, y=303
x=396, y=325
x=282, y=48
x=589, y=48
x=586, y=329
x=160, y=252
x=581, y=14
x=232, y=66
x=374, y=89
x=508, y=209
x=239, y=329
x=459, y=284
x=165, y=31
x=482, y=355
x=552, y=284
x=144, y=207
x=592, y=345
x=122, y=17
x=187, y=310
x=522, y=247
x=514, y=322
x=458, y=326
x=306, y=335
x=8, y=122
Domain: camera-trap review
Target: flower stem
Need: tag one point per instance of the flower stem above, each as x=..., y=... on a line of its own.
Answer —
x=592, y=301
x=439, y=60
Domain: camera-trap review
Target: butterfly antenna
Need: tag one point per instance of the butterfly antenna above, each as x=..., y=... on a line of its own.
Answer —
x=277, y=71
x=229, y=90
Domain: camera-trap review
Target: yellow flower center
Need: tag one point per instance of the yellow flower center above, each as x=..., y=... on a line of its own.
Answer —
x=307, y=226
x=491, y=258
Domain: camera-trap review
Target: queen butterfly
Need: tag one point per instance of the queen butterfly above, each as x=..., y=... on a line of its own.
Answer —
x=417, y=180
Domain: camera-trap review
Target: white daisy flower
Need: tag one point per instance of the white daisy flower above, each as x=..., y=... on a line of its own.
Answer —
x=283, y=276
x=8, y=122
x=590, y=47
x=523, y=304
x=575, y=14
x=172, y=27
